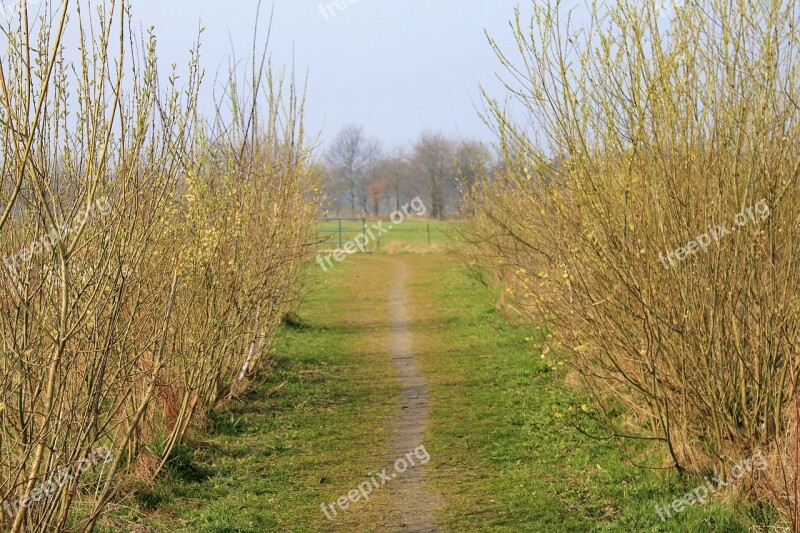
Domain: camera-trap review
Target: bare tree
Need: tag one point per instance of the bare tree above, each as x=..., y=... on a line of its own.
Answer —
x=473, y=160
x=363, y=177
x=378, y=193
x=433, y=160
x=372, y=175
x=398, y=174
x=348, y=159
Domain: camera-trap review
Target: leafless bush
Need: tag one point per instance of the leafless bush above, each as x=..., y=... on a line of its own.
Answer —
x=642, y=135
x=125, y=324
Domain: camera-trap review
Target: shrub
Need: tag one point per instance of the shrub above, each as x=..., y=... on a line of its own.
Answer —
x=642, y=131
x=160, y=251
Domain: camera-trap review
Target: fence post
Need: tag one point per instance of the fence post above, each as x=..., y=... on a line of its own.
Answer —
x=428, y=226
x=364, y=230
x=340, y=234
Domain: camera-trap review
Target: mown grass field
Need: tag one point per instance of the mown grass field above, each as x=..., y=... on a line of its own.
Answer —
x=504, y=455
x=411, y=235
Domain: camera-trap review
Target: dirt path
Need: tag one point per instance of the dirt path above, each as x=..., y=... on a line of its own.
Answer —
x=411, y=506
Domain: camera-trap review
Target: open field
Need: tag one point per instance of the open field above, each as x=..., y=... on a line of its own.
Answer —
x=410, y=235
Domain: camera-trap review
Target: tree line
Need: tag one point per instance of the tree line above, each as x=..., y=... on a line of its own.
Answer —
x=362, y=178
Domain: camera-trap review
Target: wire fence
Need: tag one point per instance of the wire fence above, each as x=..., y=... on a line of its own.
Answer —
x=334, y=233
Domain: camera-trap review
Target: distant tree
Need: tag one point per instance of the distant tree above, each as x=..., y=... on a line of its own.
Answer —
x=373, y=171
x=362, y=177
x=433, y=160
x=399, y=178
x=378, y=193
x=473, y=160
x=348, y=159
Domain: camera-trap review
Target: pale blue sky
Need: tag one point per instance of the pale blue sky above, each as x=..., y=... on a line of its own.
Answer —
x=397, y=67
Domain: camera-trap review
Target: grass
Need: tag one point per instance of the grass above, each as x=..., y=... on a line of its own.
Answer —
x=409, y=236
x=509, y=458
x=273, y=457
x=503, y=453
